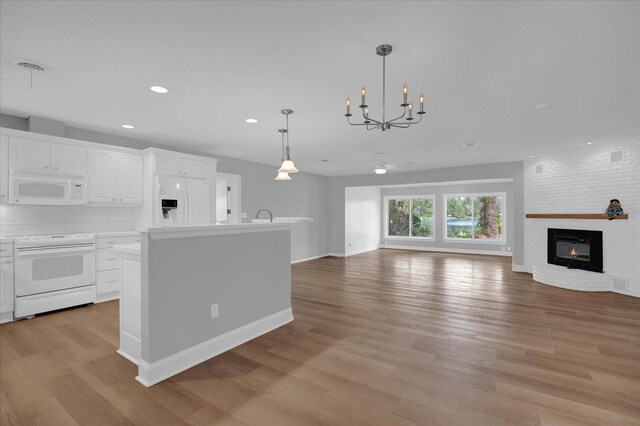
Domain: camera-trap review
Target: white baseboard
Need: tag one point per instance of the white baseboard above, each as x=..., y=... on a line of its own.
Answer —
x=449, y=250
x=309, y=258
x=634, y=293
x=114, y=295
x=521, y=268
x=150, y=374
x=361, y=251
x=6, y=317
x=335, y=254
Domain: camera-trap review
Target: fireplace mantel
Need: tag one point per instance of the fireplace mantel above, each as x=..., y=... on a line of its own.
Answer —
x=573, y=216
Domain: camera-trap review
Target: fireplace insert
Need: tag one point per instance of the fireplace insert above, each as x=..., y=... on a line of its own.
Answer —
x=575, y=249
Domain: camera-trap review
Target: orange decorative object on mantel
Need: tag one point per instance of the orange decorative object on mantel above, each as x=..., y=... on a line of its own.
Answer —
x=573, y=216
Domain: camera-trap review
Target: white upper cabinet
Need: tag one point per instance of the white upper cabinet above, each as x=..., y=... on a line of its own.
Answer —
x=129, y=178
x=68, y=158
x=178, y=166
x=168, y=165
x=114, y=177
x=102, y=180
x=29, y=154
x=4, y=168
x=195, y=168
x=40, y=155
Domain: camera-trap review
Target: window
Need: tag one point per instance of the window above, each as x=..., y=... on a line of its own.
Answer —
x=409, y=217
x=475, y=217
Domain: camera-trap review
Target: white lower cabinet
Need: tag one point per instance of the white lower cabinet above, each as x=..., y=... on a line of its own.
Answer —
x=7, y=291
x=108, y=266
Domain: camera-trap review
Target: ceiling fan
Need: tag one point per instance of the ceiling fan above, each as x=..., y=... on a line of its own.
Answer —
x=381, y=166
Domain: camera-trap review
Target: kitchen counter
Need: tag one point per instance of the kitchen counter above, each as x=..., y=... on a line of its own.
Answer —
x=193, y=292
x=116, y=233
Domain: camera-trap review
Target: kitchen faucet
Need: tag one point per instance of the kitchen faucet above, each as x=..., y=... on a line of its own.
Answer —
x=265, y=210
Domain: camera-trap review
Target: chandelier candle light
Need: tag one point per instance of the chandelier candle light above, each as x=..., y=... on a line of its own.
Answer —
x=384, y=50
x=287, y=164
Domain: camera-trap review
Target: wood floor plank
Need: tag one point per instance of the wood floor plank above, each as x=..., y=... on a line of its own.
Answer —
x=381, y=338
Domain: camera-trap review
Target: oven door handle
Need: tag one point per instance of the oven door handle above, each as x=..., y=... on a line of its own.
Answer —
x=38, y=252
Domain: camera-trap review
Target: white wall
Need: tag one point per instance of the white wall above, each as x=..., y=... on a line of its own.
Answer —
x=583, y=180
x=362, y=219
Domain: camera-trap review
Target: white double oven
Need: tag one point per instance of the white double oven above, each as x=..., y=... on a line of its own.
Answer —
x=54, y=272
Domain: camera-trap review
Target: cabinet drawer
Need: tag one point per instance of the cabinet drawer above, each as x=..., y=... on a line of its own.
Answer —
x=133, y=239
x=107, y=259
x=108, y=242
x=6, y=250
x=107, y=281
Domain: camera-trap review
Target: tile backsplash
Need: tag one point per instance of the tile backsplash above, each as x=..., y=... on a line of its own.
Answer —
x=30, y=220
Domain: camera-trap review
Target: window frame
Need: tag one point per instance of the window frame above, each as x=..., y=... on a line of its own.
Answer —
x=386, y=199
x=501, y=241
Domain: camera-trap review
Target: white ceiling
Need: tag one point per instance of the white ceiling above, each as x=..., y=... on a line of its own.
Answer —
x=483, y=66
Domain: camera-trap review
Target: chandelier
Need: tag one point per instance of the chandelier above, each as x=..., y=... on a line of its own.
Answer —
x=384, y=50
x=287, y=164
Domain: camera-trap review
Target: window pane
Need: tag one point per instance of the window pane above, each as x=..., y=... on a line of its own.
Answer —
x=459, y=217
x=421, y=218
x=399, y=218
x=489, y=217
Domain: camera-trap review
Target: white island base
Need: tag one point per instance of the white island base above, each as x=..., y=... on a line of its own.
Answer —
x=191, y=293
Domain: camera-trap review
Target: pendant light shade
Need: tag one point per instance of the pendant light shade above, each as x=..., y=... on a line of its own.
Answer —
x=283, y=176
x=287, y=167
x=287, y=163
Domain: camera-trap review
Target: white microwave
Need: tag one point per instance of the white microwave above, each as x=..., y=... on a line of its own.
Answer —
x=46, y=188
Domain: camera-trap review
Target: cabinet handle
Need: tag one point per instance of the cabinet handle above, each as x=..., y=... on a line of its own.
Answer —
x=55, y=168
x=120, y=199
x=112, y=281
x=46, y=167
x=112, y=258
x=111, y=242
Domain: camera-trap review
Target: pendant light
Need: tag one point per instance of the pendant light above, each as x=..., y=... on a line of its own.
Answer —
x=282, y=175
x=287, y=163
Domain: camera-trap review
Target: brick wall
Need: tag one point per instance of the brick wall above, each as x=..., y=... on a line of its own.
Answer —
x=583, y=180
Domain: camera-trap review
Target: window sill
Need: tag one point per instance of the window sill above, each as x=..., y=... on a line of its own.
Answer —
x=475, y=241
x=399, y=238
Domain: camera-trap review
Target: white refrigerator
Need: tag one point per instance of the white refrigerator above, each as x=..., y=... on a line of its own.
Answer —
x=182, y=201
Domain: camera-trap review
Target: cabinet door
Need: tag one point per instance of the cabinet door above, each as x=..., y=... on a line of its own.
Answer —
x=196, y=169
x=168, y=165
x=101, y=176
x=4, y=169
x=129, y=178
x=29, y=153
x=68, y=158
x=6, y=285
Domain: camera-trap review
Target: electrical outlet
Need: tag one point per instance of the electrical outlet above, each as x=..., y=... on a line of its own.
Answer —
x=215, y=313
x=503, y=248
x=508, y=248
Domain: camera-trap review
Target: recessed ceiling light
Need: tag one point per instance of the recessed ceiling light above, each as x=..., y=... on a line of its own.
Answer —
x=589, y=143
x=128, y=126
x=469, y=144
x=542, y=106
x=159, y=89
x=380, y=170
x=251, y=121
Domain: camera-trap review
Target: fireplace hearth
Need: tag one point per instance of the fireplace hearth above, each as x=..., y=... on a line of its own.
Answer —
x=575, y=249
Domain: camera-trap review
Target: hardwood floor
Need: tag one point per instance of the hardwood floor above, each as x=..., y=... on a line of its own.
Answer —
x=388, y=337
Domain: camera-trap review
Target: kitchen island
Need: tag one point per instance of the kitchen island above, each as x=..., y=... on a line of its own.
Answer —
x=198, y=291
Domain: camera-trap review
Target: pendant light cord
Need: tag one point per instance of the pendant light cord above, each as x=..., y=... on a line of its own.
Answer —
x=383, y=87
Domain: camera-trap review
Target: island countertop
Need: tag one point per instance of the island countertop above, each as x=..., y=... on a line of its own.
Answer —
x=205, y=230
